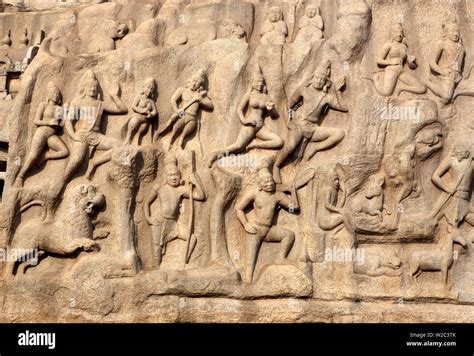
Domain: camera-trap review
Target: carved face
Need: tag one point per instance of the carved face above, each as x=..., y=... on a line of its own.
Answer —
x=149, y=88
x=274, y=14
x=266, y=182
x=460, y=154
x=54, y=95
x=318, y=82
x=173, y=176
x=310, y=11
x=453, y=33
x=91, y=89
x=194, y=84
x=397, y=34
x=258, y=84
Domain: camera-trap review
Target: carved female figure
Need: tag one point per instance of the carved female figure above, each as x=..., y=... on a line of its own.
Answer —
x=259, y=106
x=48, y=120
x=393, y=58
x=144, y=109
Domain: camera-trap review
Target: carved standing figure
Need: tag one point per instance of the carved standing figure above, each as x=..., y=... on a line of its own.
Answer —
x=259, y=105
x=186, y=103
x=394, y=77
x=49, y=121
x=170, y=196
x=274, y=30
x=266, y=200
x=83, y=125
x=315, y=99
x=144, y=109
x=311, y=26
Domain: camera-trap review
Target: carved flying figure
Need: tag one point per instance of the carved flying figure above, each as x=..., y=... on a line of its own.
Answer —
x=48, y=121
x=186, y=103
x=259, y=106
x=393, y=78
x=144, y=109
x=315, y=99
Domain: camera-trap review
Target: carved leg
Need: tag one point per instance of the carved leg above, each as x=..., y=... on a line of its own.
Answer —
x=294, y=138
x=58, y=147
x=104, y=158
x=246, y=135
x=270, y=140
x=189, y=128
x=78, y=155
x=142, y=132
x=178, y=127
x=38, y=144
x=324, y=138
x=409, y=84
x=254, y=242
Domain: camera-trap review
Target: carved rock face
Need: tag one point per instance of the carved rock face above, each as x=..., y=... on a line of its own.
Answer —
x=237, y=154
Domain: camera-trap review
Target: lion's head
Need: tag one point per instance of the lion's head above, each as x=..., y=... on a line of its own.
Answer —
x=88, y=199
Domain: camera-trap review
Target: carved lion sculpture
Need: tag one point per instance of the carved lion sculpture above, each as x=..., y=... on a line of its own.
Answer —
x=64, y=232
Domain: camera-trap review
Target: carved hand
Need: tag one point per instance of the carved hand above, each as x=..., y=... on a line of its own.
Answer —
x=340, y=83
x=250, y=228
x=270, y=106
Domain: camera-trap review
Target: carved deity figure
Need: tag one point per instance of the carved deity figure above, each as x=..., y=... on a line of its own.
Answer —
x=259, y=105
x=315, y=99
x=83, y=124
x=48, y=121
x=265, y=201
x=447, y=64
x=334, y=200
x=170, y=196
x=186, y=103
x=311, y=26
x=144, y=109
x=456, y=206
x=274, y=30
x=393, y=76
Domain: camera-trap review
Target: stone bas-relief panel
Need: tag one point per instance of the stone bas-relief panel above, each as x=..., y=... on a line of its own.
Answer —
x=260, y=160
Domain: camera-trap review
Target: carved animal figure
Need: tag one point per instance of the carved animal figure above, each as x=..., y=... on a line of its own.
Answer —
x=437, y=257
x=68, y=230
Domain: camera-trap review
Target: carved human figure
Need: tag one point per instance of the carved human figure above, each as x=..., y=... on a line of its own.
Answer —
x=170, y=196
x=234, y=30
x=265, y=201
x=334, y=200
x=447, y=63
x=315, y=99
x=83, y=124
x=393, y=76
x=48, y=120
x=186, y=103
x=274, y=30
x=144, y=109
x=259, y=105
x=457, y=184
x=310, y=26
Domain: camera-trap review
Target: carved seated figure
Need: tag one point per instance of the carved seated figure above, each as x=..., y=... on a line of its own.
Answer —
x=265, y=200
x=48, y=121
x=144, y=109
x=274, y=30
x=311, y=26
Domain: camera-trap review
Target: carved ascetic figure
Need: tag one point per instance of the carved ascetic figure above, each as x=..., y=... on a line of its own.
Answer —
x=456, y=206
x=334, y=200
x=266, y=200
x=311, y=26
x=447, y=64
x=144, y=109
x=49, y=121
x=186, y=103
x=315, y=99
x=259, y=105
x=83, y=124
x=274, y=30
x=394, y=78
x=170, y=196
